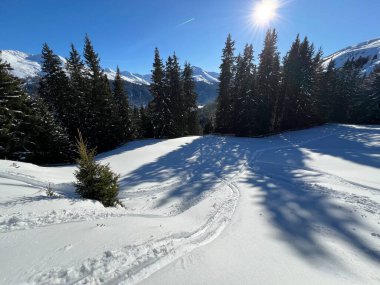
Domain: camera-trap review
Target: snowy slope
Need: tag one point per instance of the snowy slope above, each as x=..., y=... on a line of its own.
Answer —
x=203, y=76
x=370, y=49
x=297, y=208
x=29, y=66
x=24, y=65
x=127, y=76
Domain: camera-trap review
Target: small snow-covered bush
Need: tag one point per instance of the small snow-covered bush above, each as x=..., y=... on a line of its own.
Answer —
x=49, y=190
x=95, y=181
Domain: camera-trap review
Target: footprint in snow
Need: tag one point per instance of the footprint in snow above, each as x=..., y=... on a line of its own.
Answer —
x=66, y=247
x=375, y=235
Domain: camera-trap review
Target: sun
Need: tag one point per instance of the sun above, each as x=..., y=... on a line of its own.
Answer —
x=265, y=11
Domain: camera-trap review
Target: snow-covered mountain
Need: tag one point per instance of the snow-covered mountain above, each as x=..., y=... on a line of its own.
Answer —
x=369, y=50
x=24, y=65
x=127, y=76
x=205, y=76
x=29, y=66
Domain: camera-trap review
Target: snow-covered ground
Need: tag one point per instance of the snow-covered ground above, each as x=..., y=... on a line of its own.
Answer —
x=297, y=208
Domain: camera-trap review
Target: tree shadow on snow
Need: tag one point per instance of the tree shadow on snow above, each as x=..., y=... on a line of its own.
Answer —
x=197, y=167
x=357, y=144
x=304, y=212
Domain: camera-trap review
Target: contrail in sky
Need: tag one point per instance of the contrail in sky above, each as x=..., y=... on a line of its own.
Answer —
x=186, y=22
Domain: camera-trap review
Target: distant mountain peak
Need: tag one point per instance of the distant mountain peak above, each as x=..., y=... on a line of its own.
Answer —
x=205, y=76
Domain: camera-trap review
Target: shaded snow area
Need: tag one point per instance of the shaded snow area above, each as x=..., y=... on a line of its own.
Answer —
x=297, y=208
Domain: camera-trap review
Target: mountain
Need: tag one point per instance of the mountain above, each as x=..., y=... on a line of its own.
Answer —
x=369, y=51
x=205, y=76
x=28, y=67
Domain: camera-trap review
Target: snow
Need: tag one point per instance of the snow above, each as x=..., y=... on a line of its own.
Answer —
x=24, y=65
x=370, y=49
x=203, y=76
x=296, y=208
x=127, y=76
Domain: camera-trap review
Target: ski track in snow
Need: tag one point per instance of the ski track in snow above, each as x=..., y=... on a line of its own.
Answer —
x=133, y=263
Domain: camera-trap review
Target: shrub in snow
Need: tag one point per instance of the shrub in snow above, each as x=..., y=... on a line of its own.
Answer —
x=95, y=181
x=49, y=190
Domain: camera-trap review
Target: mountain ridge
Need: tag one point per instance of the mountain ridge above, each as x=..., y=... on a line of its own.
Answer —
x=368, y=49
x=27, y=66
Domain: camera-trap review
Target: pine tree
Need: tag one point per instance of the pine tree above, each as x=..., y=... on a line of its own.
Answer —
x=135, y=119
x=327, y=92
x=245, y=101
x=103, y=124
x=224, y=112
x=48, y=141
x=268, y=83
x=371, y=104
x=174, y=94
x=121, y=98
x=146, y=125
x=162, y=119
x=54, y=86
x=346, y=101
x=95, y=181
x=81, y=112
x=28, y=130
x=14, y=111
x=297, y=107
x=190, y=101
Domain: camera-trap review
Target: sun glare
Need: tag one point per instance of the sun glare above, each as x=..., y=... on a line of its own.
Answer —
x=265, y=11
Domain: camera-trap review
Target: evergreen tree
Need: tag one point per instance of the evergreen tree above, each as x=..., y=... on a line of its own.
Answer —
x=28, y=130
x=81, y=112
x=136, y=123
x=121, y=97
x=327, y=92
x=103, y=122
x=347, y=98
x=14, y=111
x=190, y=101
x=162, y=119
x=146, y=126
x=268, y=83
x=298, y=108
x=95, y=181
x=224, y=112
x=371, y=103
x=54, y=86
x=49, y=141
x=173, y=92
x=245, y=101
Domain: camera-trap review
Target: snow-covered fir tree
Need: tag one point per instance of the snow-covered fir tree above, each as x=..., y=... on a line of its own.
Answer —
x=224, y=110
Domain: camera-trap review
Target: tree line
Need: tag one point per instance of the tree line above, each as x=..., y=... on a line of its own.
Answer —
x=79, y=97
x=271, y=97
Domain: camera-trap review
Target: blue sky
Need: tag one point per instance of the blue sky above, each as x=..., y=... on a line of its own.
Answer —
x=125, y=32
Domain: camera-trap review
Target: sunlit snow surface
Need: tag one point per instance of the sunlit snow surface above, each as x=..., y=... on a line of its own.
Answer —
x=297, y=208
